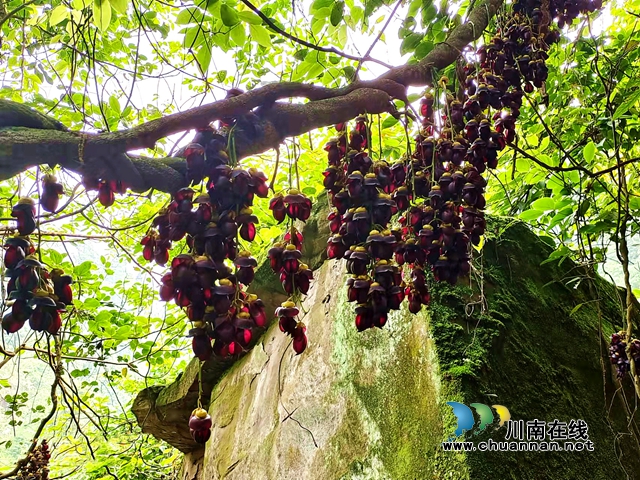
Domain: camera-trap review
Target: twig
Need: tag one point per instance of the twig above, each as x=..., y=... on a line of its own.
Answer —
x=384, y=27
x=304, y=43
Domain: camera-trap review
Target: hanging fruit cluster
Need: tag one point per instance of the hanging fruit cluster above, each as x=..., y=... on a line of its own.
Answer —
x=35, y=294
x=365, y=196
x=210, y=281
x=284, y=258
x=36, y=466
x=618, y=353
x=439, y=190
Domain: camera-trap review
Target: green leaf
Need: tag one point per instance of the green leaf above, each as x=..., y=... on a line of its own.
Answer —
x=58, y=14
x=260, y=35
x=4, y=383
x=250, y=17
x=561, y=215
x=102, y=14
x=189, y=15
x=349, y=72
x=103, y=318
x=84, y=269
x=532, y=214
x=314, y=70
x=238, y=35
x=410, y=43
x=389, y=122
x=300, y=55
x=81, y=4
x=228, y=15
x=122, y=333
x=575, y=309
x=211, y=6
x=55, y=257
x=428, y=14
x=318, y=4
x=193, y=37
x=114, y=104
x=203, y=57
x=423, y=49
x=337, y=11
x=544, y=204
x=91, y=303
x=120, y=6
x=589, y=151
x=221, y=75
x=414, y=6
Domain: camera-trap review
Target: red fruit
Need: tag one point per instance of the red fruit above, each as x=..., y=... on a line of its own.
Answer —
x=259, y=181
x=201, y=345
x=234, y=348
x=257, y=311
x=149, y=242
x=24, y=212
x=200, y=420
x=297, y=239
x=90, y=183
x=275, y=256
x=161, y=256
x=201, y=436
x=298, y=207
x=62, y=286
x=244, y=336
x=45, y=318
x=194, y=154
x=28, y=279
x=166, y=293
x=16, y=250
x=105, y=194
x=300, y=339
x=51, y=193
x=20, y=311
x=56, y=322
x=10, y=324
x=276, y=205
x=248, y=231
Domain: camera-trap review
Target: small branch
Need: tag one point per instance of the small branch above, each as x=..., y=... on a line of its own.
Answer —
x=575, y=167
x=373, y=44
x=304, y=43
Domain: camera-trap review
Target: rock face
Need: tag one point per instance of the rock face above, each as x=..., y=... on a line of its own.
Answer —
x=372, y=405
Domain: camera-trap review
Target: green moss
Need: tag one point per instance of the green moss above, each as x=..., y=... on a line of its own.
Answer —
x=348, y=447
x=528, y=352
x=391, y=377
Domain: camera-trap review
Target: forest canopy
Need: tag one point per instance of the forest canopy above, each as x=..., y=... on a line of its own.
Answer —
x=153, y=154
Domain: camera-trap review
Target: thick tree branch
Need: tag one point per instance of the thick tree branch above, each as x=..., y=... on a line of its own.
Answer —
x=42, y=140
